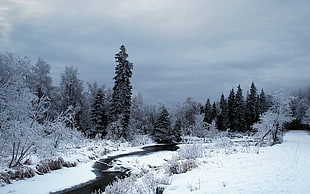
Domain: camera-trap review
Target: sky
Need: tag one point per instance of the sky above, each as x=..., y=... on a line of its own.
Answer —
x=179, y=48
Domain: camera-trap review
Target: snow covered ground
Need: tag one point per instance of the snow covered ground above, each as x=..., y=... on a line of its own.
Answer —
x=283, y=168
x=54, y=181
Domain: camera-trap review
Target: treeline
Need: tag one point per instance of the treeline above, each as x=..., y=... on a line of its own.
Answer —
x=237, y=113
x=28, y=94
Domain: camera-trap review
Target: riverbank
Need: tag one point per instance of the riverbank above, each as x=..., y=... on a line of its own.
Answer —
x=84, y=156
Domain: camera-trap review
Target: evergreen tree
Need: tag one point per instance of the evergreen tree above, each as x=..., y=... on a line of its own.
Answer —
x=214, y=111
x=98, y=114
x=121, y=97
x=177, y=129
x=262, y=103
x=208, y=112
x=230, y=109
x=239, y=111
x=222, y=117
x=163, y=132
x=252, y=108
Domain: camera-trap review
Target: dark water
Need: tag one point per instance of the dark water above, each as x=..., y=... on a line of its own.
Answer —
x=104, y=177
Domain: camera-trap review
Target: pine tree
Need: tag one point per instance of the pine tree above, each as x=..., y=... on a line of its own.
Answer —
x=222, y=117
x=177, y=129
x=230, y=109
x=162, y=126
x=121, y=97
x=163, y=132
x=239, y=111
x=214, y=111
x=98, y=114
x=262, y=103
x=208, y=112
x=252, y=108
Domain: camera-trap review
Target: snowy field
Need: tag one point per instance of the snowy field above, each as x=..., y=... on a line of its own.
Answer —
x=281, y=168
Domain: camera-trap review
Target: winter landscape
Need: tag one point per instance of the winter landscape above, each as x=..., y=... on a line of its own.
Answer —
x=162, y=97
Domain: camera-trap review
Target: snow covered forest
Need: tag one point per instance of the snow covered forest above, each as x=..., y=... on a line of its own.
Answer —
x=40, y=121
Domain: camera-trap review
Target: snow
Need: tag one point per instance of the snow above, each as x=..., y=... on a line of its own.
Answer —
x=282, y=168
x=54, y=181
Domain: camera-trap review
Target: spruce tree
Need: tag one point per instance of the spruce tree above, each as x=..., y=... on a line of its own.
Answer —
x=214, y=111
x=121, y=97
x=252, y=108
x=222, y=117
x=98, y=114
x=230, y=109
x=163, y=132
x=239, y=111
x=262, y=102
x=208, y=112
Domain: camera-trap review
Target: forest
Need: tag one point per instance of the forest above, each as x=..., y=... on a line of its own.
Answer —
x=38, y=117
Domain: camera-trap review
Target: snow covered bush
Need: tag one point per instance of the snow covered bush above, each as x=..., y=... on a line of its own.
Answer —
x=181, y=166
x=147, y=183
x=271, y=124
x=190, y=151
x=138, y=140
x=185, y=158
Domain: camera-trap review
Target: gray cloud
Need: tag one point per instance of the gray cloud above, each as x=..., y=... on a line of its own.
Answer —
x=179, y=48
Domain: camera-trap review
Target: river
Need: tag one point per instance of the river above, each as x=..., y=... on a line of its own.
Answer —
x=105, y=177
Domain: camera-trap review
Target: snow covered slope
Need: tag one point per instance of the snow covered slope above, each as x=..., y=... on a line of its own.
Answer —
x=283, y=168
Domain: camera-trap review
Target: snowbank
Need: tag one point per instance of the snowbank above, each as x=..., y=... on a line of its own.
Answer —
x=281, y=168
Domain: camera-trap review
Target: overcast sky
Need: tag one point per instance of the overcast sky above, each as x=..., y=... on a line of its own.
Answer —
x=179, y=48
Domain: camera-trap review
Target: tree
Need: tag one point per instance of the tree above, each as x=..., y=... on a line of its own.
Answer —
x=121, y=97
x=239, y=107
x=40, y=81
x=230, y=109
x=262, y=102
x=208, y=117
x=163, y=132
x=72, y=92
x=98, y=114
x=272, y=122
x=214, y=111
x=252, y=107
x=138, y=117
x=222, y=117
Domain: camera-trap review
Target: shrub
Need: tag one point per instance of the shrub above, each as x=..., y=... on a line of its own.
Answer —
x=181, y=166
x=191, y=151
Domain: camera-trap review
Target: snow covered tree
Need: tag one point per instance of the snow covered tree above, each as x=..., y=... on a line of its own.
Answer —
x=72, y=92
x=262, y=102
x=138, y=117
x=272, y=122
x=214, y=111
x=40, y=81
x=17, y=111
x=301, y=107
x=231, y=109
x=239, y=111
x=188, y=111
x=252, y=107
x=222, y=117
x=208, y=117
x=163, y=132
x=121, y=97
x=15, y=97
x=98, y=114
